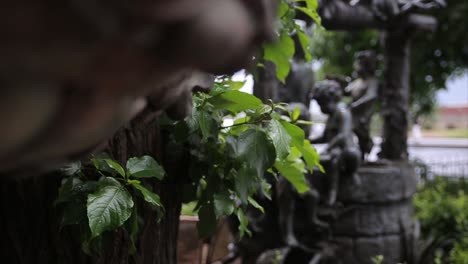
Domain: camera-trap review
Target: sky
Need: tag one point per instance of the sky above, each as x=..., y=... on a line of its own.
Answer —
x=456, y=93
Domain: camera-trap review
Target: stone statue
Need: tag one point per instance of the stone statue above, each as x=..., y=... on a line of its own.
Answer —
x=364, y=92
x=362, y=14
x=342, y=155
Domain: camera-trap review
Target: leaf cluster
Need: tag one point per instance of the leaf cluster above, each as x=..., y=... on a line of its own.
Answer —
x=103, y=199
x=229, y=160
x=281, y=52
x=442, y=209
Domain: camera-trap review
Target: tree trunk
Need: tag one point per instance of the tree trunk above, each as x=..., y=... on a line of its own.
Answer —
x=29, y=221
x=395, y=96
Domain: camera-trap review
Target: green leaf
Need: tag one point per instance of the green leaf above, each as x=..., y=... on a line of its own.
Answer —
x=235, y=85
x=235, y=101
x=296, y=133
x=280, y=138
x=149, y=196
x=311, y=13
x=206, y=123
x=109, y=207
x=115, y=166
x=223, y=204
x=305, y=43
x=311, y=156
x=245, y=180
x=280, y=54
x=243, y=224
x=256, y=205
x=293, y=172
x=207, y=224
x=254, y=147
x=145, y=167
x=100, y=164
x=283, y=8
x=295, y=114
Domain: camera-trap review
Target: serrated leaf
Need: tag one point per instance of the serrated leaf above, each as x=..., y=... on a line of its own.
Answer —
x=109, y=207
x=280, y=138
x=280, y=53
x=145, y=167
x=115, y=166
x=207, y=221
x=256, y=205
x=235, y=101
x=293, y=172
x=254, y=147
x=223, y=204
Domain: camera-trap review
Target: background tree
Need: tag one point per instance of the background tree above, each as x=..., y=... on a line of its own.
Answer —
x=436, y=56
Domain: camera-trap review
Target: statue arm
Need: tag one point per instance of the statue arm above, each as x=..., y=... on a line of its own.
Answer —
x=345, y=128
x=371, y=94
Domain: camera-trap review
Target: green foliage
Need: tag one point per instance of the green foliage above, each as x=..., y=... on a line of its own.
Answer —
x=228, y=164
x=378, y=259
x=281, y=52
x=442, y=208
x=103, y=199
x=109, y=207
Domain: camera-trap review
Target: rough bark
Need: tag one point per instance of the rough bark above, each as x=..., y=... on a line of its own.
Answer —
x=30, y=225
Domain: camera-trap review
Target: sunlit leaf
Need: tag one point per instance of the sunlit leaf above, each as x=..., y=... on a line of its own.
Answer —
x=235, y=101
x=294, y=173
x=280, y=53
x=256, y=205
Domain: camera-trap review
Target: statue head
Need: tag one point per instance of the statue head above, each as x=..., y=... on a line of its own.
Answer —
x=328, y=94
x=365, y=63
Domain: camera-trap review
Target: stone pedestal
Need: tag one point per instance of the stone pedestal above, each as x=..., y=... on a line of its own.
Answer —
x=377, y=214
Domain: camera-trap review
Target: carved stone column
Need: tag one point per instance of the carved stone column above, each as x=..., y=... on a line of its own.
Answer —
x=376, y=218
x=395, y=95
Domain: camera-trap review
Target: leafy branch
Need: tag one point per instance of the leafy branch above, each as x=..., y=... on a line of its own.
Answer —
x=108, y=202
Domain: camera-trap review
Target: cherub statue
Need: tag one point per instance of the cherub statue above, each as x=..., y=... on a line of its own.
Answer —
x=342, y=155
x=364, y=92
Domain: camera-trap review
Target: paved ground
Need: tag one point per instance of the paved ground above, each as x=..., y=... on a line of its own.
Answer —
x=444, y=156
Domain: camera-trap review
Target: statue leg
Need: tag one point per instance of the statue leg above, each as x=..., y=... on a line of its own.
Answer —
x=332, y=175
x=311, y=199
